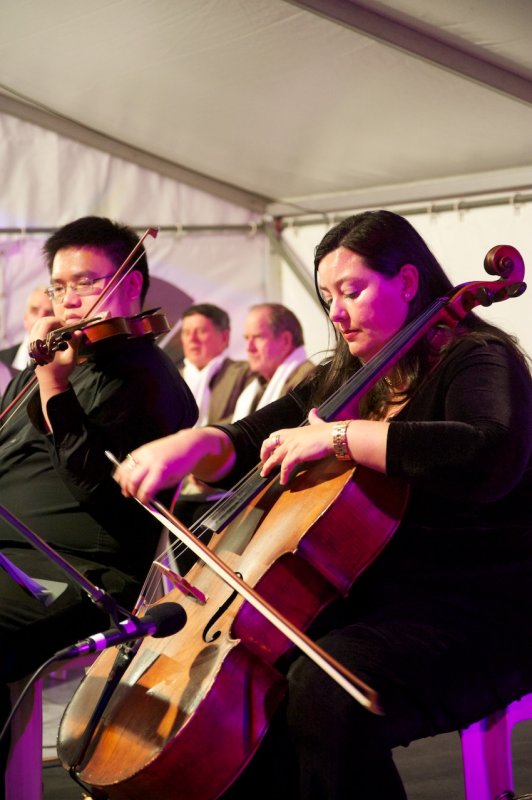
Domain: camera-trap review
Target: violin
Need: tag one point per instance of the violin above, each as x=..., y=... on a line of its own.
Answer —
x=293, y=550
x=96, y=330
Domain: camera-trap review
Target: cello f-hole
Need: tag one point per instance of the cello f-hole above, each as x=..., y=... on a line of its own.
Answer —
x=216, y=616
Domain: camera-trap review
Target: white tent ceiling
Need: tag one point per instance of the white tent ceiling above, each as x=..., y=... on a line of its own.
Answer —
x=285, y=107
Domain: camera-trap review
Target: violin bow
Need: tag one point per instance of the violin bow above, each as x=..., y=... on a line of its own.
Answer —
x=122, y=272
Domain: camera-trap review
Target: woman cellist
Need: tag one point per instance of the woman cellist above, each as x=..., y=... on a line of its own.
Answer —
x=439, y=624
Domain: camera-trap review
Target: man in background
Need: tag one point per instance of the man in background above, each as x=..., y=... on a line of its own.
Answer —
x=215, y=380
x=276, y=356
x=38, y=305
x=277, y=362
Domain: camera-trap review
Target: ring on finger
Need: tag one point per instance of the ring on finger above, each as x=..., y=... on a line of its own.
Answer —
x=276, y=438
x=131, y=461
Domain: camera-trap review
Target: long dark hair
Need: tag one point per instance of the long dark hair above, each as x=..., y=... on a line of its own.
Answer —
x=387, y=241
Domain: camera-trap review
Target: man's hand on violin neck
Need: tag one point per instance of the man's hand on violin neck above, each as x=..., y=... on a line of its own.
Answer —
x=54, y=365
x=50, y=351
x=42, y=327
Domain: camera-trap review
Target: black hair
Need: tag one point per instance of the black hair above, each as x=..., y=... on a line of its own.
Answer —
x=115, y=240
x=386, y=241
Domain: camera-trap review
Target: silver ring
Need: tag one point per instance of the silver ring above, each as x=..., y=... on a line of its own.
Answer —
x=131, y=461
x=276, y=438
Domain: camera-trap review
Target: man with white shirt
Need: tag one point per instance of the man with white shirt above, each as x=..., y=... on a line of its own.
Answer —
x=215, y=380
x=276, y=355
x=277, y=362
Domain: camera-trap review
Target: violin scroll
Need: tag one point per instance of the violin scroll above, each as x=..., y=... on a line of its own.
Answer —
x=41, y=351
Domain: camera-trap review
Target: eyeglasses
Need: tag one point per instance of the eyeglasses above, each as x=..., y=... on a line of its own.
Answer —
x=82, y=287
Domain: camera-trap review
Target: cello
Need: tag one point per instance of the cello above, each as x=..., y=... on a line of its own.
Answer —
x=221, y=670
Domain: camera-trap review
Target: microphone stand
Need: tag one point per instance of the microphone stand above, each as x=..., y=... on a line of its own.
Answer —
x=102, y=600
x=98, y=596
x=44, y=591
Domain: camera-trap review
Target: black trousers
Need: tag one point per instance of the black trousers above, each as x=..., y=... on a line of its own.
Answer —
x=31, y=632
x=433, y=673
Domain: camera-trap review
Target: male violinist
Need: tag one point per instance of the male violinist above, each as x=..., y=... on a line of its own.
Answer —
x=54, y=475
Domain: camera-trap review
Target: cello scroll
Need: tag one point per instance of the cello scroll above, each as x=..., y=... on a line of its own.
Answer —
x=502, y=260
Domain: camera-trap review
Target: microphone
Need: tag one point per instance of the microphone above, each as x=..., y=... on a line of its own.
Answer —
x=162, y=620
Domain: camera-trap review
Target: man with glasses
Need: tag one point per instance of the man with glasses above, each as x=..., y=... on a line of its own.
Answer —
x=54, y=475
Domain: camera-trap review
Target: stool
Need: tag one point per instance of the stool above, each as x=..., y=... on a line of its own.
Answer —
x=23, y=777
x=487, y=754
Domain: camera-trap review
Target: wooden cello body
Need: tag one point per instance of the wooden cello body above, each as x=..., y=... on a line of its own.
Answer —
x=189, y=711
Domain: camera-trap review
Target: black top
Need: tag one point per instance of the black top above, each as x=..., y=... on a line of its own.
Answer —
x=464, y=445
x=59, y=484
x=8, y=354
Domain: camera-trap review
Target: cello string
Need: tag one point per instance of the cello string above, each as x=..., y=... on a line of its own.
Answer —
x=224, y=510
x=199, y=530
x=447, y=310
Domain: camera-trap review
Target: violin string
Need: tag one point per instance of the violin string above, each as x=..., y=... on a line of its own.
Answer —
x=111, y=287
x=58, y=333
x=116, y=279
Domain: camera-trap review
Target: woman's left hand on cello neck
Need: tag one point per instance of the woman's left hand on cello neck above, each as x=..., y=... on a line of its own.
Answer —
x=362, y=441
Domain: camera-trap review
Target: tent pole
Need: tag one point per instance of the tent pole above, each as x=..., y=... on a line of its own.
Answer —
x=280, y=246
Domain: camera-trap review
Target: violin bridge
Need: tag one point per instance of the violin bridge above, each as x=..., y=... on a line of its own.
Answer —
x=180, y=583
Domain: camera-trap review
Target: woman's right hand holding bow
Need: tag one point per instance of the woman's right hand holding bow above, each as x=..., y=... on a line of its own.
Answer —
x=206, y=452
